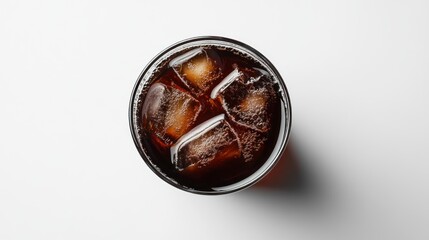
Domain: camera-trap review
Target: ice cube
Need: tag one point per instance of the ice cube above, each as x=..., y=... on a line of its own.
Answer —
x=169, y=112
x=198, y=68
x=212, y=141
x=247, y=100
x=252, y=143
x=255, y=102
x=230, y=78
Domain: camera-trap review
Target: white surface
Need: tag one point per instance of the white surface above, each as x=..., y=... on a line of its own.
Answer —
x=357, y=72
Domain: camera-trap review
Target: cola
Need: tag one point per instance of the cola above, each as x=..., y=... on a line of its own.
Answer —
x=207, y=116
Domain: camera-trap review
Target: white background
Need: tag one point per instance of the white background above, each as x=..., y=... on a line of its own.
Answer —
x=357, y=72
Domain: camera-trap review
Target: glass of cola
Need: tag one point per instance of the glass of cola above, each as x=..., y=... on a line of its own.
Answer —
x=210, y=115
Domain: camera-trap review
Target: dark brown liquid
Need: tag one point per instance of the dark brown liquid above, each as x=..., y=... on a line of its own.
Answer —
x=216, y=86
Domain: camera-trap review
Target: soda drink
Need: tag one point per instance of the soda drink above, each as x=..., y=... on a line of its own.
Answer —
x=210, y=115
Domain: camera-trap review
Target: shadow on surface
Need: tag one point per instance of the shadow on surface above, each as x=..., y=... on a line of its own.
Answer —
x=297, y=193
x=290, y=174
x=294, y=180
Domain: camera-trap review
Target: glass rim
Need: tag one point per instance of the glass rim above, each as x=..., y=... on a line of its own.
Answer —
x=284, y=124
